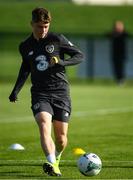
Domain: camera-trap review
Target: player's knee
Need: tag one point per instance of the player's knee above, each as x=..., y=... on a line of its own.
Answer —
x=62, y=140
x=44, y=130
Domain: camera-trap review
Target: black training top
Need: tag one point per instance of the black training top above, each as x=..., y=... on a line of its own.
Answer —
x=36, y=56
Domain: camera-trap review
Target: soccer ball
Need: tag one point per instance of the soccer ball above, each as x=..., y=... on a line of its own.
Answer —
x=89, y=164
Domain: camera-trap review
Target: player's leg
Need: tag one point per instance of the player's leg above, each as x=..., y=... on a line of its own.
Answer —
x=43, y=120
x=44, y=123
x=60, y=131
x=60, y=124
x=43, y=114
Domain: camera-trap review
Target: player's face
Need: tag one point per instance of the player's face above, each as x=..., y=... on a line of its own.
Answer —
x=40, y=29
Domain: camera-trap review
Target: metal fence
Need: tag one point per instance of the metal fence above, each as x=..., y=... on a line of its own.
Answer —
x=97, y=62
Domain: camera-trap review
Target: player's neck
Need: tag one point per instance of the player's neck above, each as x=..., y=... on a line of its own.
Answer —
x=38, y=38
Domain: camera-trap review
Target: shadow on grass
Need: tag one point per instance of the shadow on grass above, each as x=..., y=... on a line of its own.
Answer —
x=62, y=165
x=118, y=166
x=20, y=164
x=20, y=175
x=37, y=173
x=27, y=170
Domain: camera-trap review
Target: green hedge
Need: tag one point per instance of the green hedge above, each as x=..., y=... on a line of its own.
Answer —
x=67, y=17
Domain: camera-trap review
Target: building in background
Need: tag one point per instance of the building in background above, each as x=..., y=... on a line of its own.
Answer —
x=104, y=2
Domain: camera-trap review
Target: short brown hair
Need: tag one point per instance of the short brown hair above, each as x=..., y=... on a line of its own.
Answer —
x=41, y=15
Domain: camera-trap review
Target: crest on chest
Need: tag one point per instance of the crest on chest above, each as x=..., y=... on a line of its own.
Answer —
x=49, y=48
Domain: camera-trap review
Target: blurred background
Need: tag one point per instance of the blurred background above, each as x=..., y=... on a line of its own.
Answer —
x=102, y=116
x=84, y=22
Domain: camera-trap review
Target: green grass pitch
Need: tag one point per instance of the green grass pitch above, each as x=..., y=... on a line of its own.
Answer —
x=101, y=122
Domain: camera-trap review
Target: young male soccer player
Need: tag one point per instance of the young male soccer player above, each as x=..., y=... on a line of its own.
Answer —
x=43, y=57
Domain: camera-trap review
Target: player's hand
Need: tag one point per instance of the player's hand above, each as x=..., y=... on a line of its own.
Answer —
x=54, y=60
x=13, y=97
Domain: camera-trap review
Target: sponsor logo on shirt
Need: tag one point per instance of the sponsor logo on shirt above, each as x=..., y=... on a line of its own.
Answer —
x=42, y=64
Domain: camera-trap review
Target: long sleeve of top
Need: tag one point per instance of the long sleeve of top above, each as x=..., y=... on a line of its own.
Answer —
x=22, y=76
x=76, y=56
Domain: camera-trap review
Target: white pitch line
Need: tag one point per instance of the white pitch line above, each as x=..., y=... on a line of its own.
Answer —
x=70, y=161
x=104, y=111
x=101, y=112
x=16, y=119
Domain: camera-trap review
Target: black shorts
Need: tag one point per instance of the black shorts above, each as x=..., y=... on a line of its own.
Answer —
x=59, y=109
